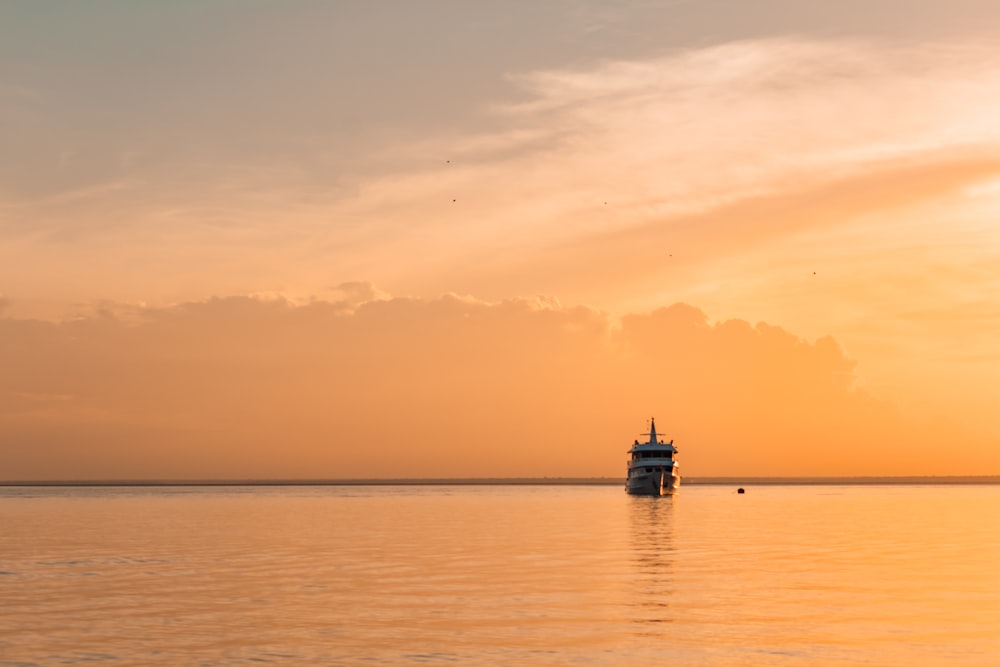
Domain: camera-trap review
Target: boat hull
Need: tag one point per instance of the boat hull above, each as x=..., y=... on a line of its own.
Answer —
x=652, y=484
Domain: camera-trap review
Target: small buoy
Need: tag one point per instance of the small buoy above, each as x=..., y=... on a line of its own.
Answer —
x=740, y=490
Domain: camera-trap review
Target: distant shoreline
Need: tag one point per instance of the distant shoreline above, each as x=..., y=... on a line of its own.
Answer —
x=521, y=481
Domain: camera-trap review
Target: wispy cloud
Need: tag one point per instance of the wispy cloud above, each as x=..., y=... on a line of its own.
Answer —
x=701, y=128
x=586, y=152
x=696, y=131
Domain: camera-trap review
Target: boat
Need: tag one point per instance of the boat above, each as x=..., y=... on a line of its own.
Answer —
x=652, y=470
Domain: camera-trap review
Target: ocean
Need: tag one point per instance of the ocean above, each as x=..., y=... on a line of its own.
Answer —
x=500, y=574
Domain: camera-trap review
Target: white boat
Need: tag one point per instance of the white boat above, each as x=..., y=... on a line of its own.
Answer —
x=652, y=470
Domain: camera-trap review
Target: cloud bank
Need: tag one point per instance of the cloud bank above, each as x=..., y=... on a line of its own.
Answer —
x=242, y=387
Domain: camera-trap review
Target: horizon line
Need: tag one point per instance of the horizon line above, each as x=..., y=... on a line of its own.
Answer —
x=517, y=481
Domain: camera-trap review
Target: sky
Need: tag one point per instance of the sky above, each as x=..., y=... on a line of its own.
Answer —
x=447, y=239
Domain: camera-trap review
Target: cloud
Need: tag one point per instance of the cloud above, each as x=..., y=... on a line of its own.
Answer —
x=240, y=387
x=704, y=148
x=727, y=176
x=701, y=147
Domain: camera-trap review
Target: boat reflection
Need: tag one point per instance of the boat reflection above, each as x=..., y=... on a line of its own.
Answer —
x=651, y=584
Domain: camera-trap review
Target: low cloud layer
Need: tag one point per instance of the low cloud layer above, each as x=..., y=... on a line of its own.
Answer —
x=451, y=387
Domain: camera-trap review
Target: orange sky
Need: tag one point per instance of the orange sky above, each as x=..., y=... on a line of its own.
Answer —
x=231, y=239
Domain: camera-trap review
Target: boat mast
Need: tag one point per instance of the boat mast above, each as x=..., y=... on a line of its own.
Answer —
x=652, y=431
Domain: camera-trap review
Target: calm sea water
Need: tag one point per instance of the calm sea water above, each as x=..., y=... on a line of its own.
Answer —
x=487, y=575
